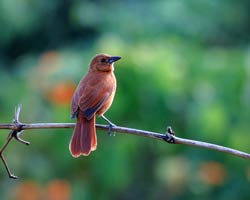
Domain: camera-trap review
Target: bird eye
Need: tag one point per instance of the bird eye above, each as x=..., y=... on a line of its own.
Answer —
x=103, y=60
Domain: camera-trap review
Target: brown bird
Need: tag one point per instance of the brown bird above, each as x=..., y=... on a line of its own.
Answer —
x=93, y=96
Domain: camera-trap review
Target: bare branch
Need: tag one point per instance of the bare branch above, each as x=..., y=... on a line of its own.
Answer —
x=119, y=129
x=169, y=137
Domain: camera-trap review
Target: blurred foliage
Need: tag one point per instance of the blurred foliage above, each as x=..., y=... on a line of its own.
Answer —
x=185, y=64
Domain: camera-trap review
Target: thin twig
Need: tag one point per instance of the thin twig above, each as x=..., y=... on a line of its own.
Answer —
x=8, y=139
x=119, y=129
x=169, y=137
x=14, y=133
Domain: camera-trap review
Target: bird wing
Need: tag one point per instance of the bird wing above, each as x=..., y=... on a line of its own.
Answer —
x=89, y=97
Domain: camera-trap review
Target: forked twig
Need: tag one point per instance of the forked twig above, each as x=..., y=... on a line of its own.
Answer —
x=13, y=134
x=8, y=139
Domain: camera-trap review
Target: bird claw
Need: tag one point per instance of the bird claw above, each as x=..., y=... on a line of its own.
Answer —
x=110, y=133
x=111, y=125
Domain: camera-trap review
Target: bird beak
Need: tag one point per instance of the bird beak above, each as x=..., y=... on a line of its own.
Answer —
x=113, y=59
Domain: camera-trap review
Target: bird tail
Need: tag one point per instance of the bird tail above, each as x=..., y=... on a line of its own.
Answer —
x=83, y=140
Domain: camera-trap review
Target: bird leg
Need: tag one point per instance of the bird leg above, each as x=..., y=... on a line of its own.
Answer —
x=111, y=125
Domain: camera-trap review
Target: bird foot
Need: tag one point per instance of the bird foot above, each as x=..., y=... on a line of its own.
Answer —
x=110, y=133
x=111, y=125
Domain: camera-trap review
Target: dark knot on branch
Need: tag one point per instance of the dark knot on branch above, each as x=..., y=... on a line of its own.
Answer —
x=169, y=137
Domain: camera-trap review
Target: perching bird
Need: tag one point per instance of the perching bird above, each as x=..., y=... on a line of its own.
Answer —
x=93, y=96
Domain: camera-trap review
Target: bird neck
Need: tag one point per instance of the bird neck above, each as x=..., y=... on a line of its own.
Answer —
x=108, y=69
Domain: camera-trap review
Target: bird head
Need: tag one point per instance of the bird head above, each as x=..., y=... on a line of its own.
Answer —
x=103, y=62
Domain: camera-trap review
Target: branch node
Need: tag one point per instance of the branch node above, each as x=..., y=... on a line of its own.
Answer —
x=169, y=136
x=18, y=126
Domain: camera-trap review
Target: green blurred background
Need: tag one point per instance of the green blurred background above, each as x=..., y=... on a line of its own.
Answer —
x=185, y=63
